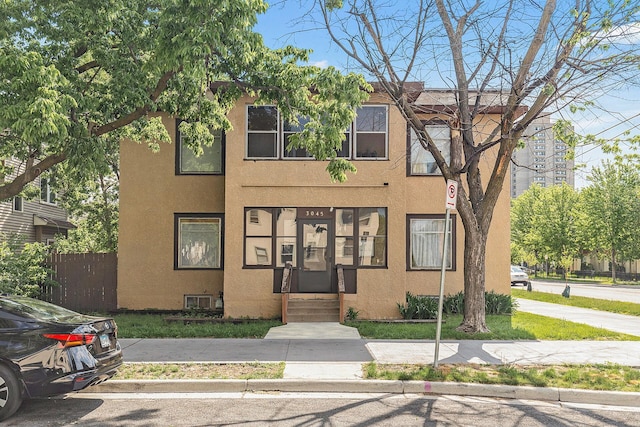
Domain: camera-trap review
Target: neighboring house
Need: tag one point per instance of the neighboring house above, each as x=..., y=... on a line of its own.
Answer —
x=37, y=220
x=228, y=221
x=542, y=161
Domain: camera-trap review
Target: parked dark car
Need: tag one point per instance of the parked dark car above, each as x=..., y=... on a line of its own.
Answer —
x=47, y=350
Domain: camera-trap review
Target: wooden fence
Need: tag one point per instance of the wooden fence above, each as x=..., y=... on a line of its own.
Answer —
x=88, y=282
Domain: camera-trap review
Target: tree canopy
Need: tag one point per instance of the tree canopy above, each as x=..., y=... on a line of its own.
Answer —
x=559, y=224
x=78, y=77
x=541, y=56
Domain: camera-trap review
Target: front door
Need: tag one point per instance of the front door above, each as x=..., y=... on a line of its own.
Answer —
x=315, y=255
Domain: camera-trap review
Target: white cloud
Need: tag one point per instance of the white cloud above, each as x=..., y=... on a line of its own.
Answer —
x=321, y=64
x=625, y=34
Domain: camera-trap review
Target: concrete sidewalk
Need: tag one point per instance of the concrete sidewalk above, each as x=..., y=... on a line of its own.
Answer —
x=329, y=357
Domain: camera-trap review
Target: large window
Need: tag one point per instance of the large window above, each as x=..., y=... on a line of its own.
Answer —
x=198, y=241
x=262, y=132
x=269, y=138
x=271, y=238
x=371, y=132
x=47, y=195
x=425, y=242
x=209, y=162
x=422, y=161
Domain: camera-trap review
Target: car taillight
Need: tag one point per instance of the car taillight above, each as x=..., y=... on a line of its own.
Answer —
x=72, y=340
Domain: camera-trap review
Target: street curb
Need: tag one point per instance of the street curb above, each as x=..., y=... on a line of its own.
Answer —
x=552, y=394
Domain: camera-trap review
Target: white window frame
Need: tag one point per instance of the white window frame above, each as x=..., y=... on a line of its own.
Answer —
x=17, y=204
x=355, y=134
x=50, y=197
x=277, y=133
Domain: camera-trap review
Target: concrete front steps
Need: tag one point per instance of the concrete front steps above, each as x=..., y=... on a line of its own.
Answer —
x=313, y=309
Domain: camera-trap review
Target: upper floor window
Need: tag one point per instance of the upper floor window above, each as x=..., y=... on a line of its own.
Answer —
x=262, y=132
x=269, y=138
x=371, y=136
x=422, y=161
x=18, y=204
x=209, y=162
x=47, y=195
x=289, y=129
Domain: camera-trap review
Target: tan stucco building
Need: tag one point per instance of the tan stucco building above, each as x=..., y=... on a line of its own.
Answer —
x=228, y=221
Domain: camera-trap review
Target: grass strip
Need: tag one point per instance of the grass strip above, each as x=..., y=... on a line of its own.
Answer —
x=201, y=371
x=609, y=377
x=620, y=307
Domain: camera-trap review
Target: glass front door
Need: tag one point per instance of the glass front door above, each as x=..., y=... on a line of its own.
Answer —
x=315, y=255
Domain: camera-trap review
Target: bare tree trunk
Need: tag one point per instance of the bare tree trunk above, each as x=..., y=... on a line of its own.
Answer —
x=474, y=275
x=613, y=265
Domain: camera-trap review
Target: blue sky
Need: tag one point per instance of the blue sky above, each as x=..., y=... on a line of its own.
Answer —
x=284, y=23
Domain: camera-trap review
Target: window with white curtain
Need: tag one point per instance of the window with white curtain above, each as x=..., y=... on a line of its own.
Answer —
x=422, y=161
x=425, y=242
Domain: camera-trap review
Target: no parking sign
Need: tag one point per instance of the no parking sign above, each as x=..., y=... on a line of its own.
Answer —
x=452, y=194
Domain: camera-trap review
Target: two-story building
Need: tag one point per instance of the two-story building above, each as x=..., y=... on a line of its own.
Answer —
x=35, y=220
x=229, y=220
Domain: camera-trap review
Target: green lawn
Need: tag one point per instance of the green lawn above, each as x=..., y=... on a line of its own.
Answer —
x=520, y=326
x=154, y=326
x=619, y=307
x=590, y=377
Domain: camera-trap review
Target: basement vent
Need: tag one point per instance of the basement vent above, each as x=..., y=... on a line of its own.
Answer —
x=198, y=301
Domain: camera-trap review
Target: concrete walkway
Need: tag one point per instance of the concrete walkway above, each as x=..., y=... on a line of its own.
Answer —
x=326, y=357
x=596, y=318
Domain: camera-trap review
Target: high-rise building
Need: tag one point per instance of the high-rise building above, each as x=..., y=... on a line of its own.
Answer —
x=543, y=159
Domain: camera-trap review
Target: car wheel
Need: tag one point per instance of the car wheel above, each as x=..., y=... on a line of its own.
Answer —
x=10, y=393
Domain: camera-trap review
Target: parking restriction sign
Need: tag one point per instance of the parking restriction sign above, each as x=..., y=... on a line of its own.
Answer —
x=452, y=194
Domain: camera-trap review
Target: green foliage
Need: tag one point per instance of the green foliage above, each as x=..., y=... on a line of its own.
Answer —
x=419, y=307
x=454, y=304
x=352, y=314
x=75, y=77
x=426, y=307
x=23, y=267
x=499, y=303
x=545, y=225
x=610, y=211
x=589, y=377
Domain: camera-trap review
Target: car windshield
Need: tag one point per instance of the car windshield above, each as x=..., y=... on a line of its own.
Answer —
x=516, y=269
x=36, y=309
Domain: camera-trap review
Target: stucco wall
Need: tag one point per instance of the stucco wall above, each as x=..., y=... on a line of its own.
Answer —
x=151, y=193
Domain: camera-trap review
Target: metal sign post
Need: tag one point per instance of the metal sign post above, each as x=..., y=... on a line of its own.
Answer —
x=451, y=197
